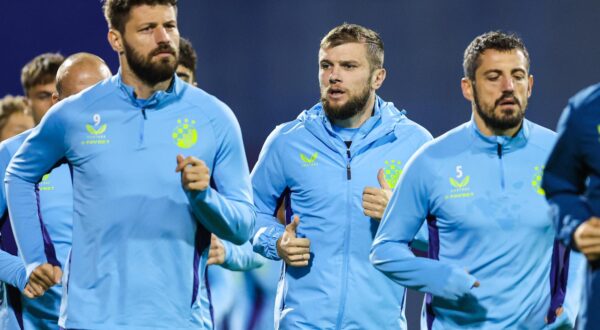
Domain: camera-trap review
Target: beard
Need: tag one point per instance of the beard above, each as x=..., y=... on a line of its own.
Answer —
x=503, y=121
x=147, y=71
x=351, y=108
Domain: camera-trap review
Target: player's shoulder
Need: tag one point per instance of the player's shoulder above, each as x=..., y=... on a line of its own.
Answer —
x=86, y=100
x=451, y=142
x=586, y=100
x=204, y=102
x=539, y=136
x=10, y=146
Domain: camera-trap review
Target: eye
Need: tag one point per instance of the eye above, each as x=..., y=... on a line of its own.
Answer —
x=325, y=66
x=43, y=96
x=519, y=77
x=493, y=77
x=349, y=66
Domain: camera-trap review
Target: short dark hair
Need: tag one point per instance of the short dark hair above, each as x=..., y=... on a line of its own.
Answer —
x=347, y=33
x=116, y=12
x=496, y=40
x=10, y=105
x=40, y=70
x=187, y=55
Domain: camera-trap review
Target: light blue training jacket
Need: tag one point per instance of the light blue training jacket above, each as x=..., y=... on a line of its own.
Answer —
x=56, y=217
x=488, y=221
x=325, y=179
x=139, y=239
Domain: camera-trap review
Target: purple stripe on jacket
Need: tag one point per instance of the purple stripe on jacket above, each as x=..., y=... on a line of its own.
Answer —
x=48, y=245
x=432, y=253
x=559, y=274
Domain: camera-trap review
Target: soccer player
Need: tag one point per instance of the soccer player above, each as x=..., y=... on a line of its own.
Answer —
x=493, y=261
x=572, y=185
x=76, y=73
x=15, y=116
x=38, y=81
x=157, y=166
x=323, y=161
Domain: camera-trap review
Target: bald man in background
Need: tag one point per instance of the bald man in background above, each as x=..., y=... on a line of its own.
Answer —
x=76, y=73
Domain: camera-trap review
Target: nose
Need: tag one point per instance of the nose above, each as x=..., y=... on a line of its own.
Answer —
x=508, y=84
x=161, y=35
x=334, y=75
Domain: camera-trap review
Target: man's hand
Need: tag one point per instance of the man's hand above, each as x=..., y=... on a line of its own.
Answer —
x=41, y=279
x=194, y=173
x=587, y=238
x=375, y=200
x=216, y=253
x=294, y=251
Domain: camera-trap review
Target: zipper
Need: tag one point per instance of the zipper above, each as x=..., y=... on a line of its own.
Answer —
x=348, y=169
x=142, y=128
x=344, y=279
x=499, y=151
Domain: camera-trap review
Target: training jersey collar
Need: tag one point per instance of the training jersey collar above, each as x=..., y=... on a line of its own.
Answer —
x=155, y=100
x=492, y=143
x=383, y=121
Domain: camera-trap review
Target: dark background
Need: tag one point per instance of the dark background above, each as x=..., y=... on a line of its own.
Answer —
x=260, y=57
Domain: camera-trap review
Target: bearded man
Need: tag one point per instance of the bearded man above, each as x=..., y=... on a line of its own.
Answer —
x=157, y=166
x=494, y=261
x=335, y=165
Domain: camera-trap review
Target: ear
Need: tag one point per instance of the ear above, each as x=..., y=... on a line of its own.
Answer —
x=54, y=98
x=530, y=86
x=115, y=40
x=467, y=88
x=378, y=78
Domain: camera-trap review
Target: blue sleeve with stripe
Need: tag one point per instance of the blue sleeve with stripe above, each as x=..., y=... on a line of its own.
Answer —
x=43, y=148
x=227, y=211
x=403, y=218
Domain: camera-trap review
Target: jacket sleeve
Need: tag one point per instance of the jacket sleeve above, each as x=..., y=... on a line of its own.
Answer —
x=12, y=270
x=226, y=210
x=269, y=183
x=42, y=149
x=564, y=179
x=4, y=160
x=240, y=258
x=401, y=221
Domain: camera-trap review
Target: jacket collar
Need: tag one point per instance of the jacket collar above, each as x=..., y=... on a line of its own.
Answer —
x=493, y=143
x=157, y=100
x=383, y=121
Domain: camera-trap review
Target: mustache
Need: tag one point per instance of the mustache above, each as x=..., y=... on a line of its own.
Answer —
x=505, y=96
x=164, y=48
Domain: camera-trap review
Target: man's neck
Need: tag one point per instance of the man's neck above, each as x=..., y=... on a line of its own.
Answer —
x=360, y=118
x=141, y=89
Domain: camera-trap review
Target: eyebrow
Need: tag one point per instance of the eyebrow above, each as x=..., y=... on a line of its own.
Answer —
x=500, y=71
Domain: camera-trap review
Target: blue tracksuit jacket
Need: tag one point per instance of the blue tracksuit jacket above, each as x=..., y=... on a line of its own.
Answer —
x=56, y=208
x=139, y=240
x=324, y=179
x=488, y=221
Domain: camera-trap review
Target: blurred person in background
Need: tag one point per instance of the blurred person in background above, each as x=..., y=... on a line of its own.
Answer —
x=76, y=73
x=15, y=116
